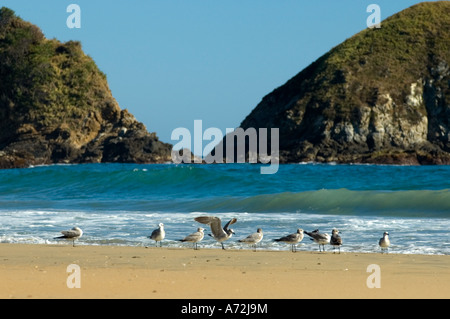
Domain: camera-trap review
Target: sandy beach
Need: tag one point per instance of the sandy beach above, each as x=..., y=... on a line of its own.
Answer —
x=41, y=271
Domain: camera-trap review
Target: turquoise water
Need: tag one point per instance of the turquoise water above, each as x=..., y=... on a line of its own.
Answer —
x=122, y=203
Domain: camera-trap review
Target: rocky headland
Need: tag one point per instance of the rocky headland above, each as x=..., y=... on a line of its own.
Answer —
x=56, y=106
x=382, y=96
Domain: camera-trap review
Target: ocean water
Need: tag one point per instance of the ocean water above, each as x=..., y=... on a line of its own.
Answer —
x=121, y=204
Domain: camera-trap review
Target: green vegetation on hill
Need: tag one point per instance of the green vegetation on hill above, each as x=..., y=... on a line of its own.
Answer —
x=380, y=96
x=44, y=81
x=392, y=57
x=56, y=106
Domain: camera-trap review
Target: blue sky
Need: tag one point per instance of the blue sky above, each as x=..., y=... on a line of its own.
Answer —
x=172, y=62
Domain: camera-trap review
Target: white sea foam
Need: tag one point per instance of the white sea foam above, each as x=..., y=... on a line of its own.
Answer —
x=120, y=204
x=360, y=234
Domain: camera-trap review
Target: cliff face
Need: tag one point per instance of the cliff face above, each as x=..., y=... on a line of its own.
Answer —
x=56, y=106
x=382, y=96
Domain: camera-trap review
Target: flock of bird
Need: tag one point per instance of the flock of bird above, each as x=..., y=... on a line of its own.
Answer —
x=222, y=234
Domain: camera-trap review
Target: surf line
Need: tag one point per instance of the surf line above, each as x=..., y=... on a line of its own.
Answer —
x=238, y=146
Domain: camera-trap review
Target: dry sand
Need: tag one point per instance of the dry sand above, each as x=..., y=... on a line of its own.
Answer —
x=40, y=271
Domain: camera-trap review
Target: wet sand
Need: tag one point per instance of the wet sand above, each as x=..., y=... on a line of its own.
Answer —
x=41, y=271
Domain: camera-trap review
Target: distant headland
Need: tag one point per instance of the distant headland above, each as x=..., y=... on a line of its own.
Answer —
x=56, y=106
x=380, y=97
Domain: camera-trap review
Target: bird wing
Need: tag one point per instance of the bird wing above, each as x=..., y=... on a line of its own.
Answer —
x=231, y=222
x=70, y=233
x=316, y=235
x=336, y=240
x=214, y=223
x=309, y=234
x=155, y=233
x=251, y=238
x=320, y=236
x=197, y=236
x=290, y=237
x=204, y=219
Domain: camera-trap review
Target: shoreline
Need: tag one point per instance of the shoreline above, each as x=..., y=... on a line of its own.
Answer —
x=41, y=271
x=215, y=246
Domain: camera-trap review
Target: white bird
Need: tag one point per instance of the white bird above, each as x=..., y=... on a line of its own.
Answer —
x=292, y=239
x=194, y=237
x=319, y=238
x=72, y=234
x=335, y=240
x=384, y=242
x=253, y=239
x=220, y=234
x=158, y=234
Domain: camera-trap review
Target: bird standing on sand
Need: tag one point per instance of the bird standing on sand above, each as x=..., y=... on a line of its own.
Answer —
x=220, y=234
x=335, y=240
x=384, y=242
x=72, y=235
x=158, y=234
x=253, y=239
x=292, y=239
x=319, y=238
x=194, y=237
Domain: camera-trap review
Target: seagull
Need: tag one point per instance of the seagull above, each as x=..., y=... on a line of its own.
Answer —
x=319, y=238
x=384, y=242
x=292, y=239
x=335, y=240
x=253, y=239
x=195, y=237
x=72, y=234
x=219, y=234
x=158, y=234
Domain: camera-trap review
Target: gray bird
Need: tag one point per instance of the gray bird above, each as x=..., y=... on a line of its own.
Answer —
x=72, y=235
x=253, y=239
x=292, y=239
x=194, y=237
x=218, y=233
x=335, y=240
x=319, y=238
x=385, y=242
x=158, y=234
